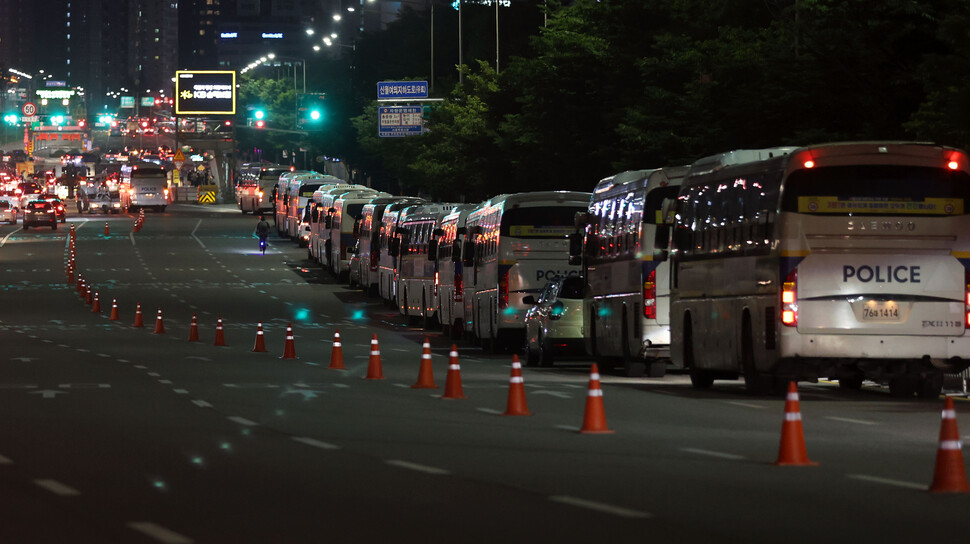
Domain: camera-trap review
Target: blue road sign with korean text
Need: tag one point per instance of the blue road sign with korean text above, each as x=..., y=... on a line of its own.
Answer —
x=398, y=121
x=402, y=89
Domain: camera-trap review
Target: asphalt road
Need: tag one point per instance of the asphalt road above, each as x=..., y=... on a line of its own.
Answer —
x=110, y=433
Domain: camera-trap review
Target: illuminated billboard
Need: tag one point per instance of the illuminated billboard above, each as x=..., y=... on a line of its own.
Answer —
x=209, y=92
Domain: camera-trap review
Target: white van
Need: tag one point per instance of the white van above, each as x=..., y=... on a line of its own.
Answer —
x=516, y=243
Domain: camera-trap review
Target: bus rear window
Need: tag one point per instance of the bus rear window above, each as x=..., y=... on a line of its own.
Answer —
x=540, y=222
x=877, y=190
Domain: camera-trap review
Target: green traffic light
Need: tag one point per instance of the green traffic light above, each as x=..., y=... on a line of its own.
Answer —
x=315, y=115
x=259, y=114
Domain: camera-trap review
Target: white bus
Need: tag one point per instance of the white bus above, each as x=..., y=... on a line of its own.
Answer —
x=844, y=260
x=299, y=194
x=325, y=210
x=281, y=201
x=625, y=266
x=318, y=218
x=417, y=266
x=517, y=243
x=347, y=209
x=450, y=281
x=256, y=188
x=369, y=234
x=143, y=185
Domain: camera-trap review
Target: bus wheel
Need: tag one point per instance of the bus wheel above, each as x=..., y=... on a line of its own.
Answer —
x=930, y=386
x=700, y=379
x=456, y=329
x=755, y=382
x=903, y=387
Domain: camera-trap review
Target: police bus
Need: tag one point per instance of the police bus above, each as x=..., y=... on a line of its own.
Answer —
x=450, y=280
x=516, y=244
x=347, y=209
x=328, y=194
x=143, y=185
x=846, y=260
x=299, y=193
x=257, y=186
x=369, y=235
x=280, y=200
x=416, y=280
x=625, y=265
x=319, y=229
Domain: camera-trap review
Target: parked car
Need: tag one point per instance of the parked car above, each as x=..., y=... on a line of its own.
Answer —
x=554, y=324
x=40, y=212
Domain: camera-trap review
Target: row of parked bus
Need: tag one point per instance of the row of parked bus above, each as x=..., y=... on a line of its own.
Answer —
x=848, y=261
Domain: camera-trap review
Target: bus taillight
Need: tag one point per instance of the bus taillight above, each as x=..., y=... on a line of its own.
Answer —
x=789, y=299
x=650, y=296
x=436, y=282
x=503, y=290
x=459, y=288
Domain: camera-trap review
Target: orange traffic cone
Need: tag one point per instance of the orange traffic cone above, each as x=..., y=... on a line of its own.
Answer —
x=453, y=378
x=791, y=451
x=96, y=304
x=106, y=231
x=425, y=372
x=949, y=475
x=194, y=329
x=260, y=344
x=220, y=339
x=139, y=322
x=80, y=284
x=594, y=419
x=159, y=324
x=88, y=298
x=374, y=369
x=114, y=310
x=337, y=353
x=289, y=349
x=516, y=405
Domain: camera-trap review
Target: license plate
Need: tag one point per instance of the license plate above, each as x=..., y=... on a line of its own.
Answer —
x=884, y=311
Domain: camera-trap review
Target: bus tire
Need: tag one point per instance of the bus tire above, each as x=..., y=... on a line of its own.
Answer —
x=699, y=379
x=930, y=386
x=755, y=382
x=457, y=328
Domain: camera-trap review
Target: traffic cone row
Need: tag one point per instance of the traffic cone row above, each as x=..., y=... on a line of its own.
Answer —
x=453, y=388
x=159, y=324
x=96, y=304
x=139, y=221
x=949, y=475
x=114, y=310
x=791, y=451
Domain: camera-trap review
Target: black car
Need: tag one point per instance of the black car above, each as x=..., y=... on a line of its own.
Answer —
x=40, y=212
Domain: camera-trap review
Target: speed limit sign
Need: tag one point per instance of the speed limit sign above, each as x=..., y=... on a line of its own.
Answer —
x=29, y=109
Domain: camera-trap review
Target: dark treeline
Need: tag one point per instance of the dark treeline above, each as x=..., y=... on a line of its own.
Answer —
x=599, y=87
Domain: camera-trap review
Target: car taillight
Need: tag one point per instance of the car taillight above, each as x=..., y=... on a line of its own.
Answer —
x=166, y=193
x=650, y=296
x=459, y=288
x=966, y=296
x=789, y=299
x=503, y=291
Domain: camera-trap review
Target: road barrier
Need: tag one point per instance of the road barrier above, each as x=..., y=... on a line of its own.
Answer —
x=207, y=194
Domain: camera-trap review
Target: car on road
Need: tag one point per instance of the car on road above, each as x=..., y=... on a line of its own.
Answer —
x=59, y=210
x=40, y=212
x=554, y=324
x=8, y=213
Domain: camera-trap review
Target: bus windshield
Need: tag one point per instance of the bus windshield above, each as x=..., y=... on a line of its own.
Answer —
x=877, y=190
x=540, y=221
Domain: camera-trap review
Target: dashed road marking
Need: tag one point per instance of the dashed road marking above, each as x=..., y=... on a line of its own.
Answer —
x=849, y=420
x=717, y=454
x=886, y=481
x=159, y=533
x=242, y=421
x=418, y=468
x=5, y=461
x=489, y=411
x=315, y=443
x=57, y=488
x=599, y=507
x=180, y=391
x=745, y=404
x=201, y=404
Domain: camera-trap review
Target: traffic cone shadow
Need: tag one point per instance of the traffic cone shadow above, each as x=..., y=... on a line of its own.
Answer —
x=516, y=405
x=374, y=369
x=791, y=451
x=425, y=371
x=453, y=389
x=594, y=419
x=949, y=475
x=337, y=353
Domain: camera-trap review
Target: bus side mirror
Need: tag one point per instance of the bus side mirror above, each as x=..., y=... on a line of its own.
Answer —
x=432, y=250
x=580, y=220
x=575, y=247
x=357, y=227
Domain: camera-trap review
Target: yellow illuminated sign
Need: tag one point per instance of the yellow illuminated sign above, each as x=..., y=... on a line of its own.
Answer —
x=832, y=204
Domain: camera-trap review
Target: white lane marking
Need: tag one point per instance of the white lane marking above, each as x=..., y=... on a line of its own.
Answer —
x=599, y=507
x=315, y=443
x=122, y=360
x=7, y=237
x=567, y=427
x=131, y=236
x=849, y=420
x=46, y=341
x=57, y=488
x=180, y=391
x=745, y=404
x=717, y=454
x=141, y=367
x=165, y=382
x=419, y=468
x=103, y=355
x=201, y=404
x=159, y=533
x=154, y=374
x=887, y=481
x=488, y=411
x=402, y=385
x=82, y=350
x=242, y=421
x=5, y=461
x=196, y=237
